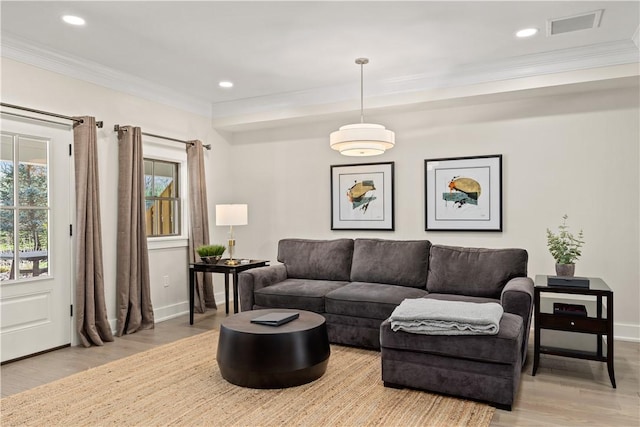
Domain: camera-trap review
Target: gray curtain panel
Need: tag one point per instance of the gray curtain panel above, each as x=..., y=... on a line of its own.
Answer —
x=199, y=215
x=134, y=311
x=92, y=321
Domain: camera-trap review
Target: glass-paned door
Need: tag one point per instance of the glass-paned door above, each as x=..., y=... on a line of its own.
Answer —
x=35, y=243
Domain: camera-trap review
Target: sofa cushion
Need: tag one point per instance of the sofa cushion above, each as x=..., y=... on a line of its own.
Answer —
x=302, y=294
x=474, y=271
x=316, y=259
x=394, y=262
x=368, y=300
x=501, y=348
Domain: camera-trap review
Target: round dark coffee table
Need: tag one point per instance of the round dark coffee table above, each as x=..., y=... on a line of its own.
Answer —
x=260, y=356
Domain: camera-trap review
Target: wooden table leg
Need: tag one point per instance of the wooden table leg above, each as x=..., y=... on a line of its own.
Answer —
x=612, y=375
x=536, y=340
x=191, y=293
x=235, y=291
x=226, y=293
x=599, y=316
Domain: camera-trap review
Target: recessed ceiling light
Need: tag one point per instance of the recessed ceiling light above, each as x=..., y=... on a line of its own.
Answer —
x=527, y=32
x=73, y=20
x=225, y=84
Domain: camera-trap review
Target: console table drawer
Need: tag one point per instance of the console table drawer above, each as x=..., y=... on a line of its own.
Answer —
x=573, y=323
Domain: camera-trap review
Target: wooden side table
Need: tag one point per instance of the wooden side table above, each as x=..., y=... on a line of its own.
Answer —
x=599, y=325
x=227, y=270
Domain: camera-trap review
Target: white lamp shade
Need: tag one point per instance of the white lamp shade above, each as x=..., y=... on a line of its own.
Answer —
x=362, y=139
x=232, y=215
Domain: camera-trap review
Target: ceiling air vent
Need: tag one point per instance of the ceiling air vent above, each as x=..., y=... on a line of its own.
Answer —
x=583, y=21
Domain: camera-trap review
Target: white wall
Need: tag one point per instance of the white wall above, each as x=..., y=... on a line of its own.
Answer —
x=36, y=88
x=575, y=154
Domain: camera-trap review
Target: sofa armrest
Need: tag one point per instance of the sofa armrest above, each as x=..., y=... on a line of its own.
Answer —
x=256, y=278
x=517, y=298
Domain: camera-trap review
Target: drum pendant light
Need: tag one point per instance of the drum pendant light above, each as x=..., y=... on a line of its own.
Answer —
x=362, y=139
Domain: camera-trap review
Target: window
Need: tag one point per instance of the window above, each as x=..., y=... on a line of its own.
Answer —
x=162, y=198
x=24, y=207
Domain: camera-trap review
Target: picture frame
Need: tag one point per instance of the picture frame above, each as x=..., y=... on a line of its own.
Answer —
x=463, y=193
x=362, y=196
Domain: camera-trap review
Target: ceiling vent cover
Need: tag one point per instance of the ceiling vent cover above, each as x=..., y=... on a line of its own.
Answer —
x=584, y=21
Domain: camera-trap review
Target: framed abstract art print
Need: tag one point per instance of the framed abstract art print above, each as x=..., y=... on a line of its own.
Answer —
x=463, y=193
x=362, y=197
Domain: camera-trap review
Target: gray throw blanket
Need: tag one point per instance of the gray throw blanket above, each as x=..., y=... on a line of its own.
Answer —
x=437, y=317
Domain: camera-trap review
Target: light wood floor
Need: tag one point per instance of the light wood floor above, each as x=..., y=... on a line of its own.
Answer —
x=564, y=392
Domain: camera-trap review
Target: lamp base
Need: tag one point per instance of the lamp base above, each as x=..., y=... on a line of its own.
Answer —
x=232, y=245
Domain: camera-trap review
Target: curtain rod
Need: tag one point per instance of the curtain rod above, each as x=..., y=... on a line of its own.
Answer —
x=46, y=113
x=116, y=128
x=34, y=118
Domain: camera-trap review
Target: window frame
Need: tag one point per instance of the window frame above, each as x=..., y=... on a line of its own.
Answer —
x=175, y=200
x=166, y=151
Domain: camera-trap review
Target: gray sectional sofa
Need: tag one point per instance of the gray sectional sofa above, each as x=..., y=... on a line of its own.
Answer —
x=356, y=285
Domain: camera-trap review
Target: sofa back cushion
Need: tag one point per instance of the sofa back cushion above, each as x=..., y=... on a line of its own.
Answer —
x=316, y=259
x=474, y=271
x=394, y=262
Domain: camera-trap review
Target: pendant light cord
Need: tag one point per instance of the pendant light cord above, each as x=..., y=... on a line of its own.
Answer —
x=361, y=92
x=361, y=62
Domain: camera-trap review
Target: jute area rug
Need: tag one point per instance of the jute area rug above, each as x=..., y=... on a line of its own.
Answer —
x=179, y=384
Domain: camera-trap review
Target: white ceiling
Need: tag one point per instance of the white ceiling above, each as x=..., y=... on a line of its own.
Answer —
x=295, y=55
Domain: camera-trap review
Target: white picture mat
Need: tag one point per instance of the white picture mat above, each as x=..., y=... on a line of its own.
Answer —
x=446, y=215
x=378, y=215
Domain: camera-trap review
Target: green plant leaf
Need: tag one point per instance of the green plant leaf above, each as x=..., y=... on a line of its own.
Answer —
x=564, y=246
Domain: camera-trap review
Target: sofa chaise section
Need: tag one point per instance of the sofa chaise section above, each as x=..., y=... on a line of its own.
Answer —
x=481, y=367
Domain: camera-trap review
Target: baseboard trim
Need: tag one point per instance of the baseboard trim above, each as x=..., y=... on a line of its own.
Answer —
x=161, y=314
x=626, y=332
x=175, y=310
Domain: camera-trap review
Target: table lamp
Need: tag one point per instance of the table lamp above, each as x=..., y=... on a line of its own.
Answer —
x=231, y=215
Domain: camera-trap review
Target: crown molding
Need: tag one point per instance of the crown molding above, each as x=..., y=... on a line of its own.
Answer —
x=282, y=104
x=593, y=79
x=559, y=61
x=18, y=49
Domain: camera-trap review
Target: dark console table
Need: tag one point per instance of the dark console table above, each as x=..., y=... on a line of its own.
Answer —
x=599, y=325
x=227, y=270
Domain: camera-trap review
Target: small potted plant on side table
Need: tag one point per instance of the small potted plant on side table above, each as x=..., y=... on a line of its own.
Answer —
x=565, y=248
x=210, y=254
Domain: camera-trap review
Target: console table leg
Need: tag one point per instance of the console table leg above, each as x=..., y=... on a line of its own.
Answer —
x=599, y=315
x=191, y=292
x=536, y=339
x=235, y=291
x=612, y=375
x=226, y=293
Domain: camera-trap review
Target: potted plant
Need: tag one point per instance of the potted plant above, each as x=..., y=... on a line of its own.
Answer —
x=210, y=253
x=565, y=248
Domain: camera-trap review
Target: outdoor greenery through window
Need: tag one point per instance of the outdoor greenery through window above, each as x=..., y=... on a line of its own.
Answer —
x=162, y=201
x=24, y=207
